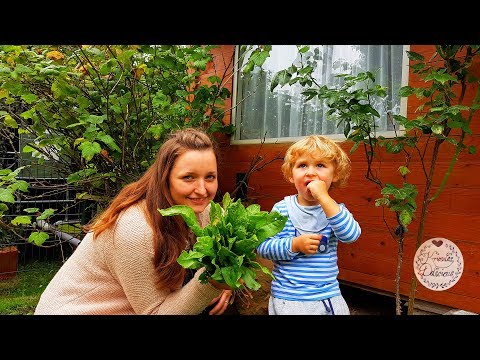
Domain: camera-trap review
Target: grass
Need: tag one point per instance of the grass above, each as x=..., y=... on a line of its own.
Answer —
x=20, y=295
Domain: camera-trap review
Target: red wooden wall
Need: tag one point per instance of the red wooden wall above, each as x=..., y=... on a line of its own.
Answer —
x=372, y=260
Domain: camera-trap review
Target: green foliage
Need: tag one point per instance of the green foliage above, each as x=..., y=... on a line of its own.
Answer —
x=101, y=112
x=226, y=247
x=352, y=106
x=9, y=186
x=98, y=113
x=256, y=56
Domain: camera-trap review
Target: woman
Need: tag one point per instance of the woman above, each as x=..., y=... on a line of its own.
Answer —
x=127, y=262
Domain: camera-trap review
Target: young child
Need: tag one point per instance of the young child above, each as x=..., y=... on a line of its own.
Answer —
x=304, y=253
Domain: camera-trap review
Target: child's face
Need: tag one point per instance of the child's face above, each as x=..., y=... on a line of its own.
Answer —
x=309, y=167
x=193, y=179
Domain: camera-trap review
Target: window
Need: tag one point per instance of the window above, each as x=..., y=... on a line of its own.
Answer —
x=283, y=115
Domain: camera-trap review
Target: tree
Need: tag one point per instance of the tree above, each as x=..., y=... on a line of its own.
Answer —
x=98, y=114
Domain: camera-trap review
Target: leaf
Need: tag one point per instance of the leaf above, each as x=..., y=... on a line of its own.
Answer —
x=29, y=98
x=437, y=129
x=216, y=213
x=89, y=149
x=54, y=55
x=415, y=56
x=226, y=201
x=275, y=223
x=6, y=196
x=10, y=122
x=249, y=276
x=188, y=215
x=231, y=277
x=108, y=140
x=405, y=91
x=21, y=220
x=205, y=246
x=403, y=170
x=190, y=260
x=405, y=218
x=46, y=214
x=264, y=269
x=245, y=246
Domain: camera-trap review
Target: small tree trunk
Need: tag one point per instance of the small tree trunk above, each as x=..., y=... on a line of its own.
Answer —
x=421, y=227
x=398, y=306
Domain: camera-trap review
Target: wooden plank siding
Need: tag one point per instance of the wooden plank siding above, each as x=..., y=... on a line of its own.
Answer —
x=372, y=260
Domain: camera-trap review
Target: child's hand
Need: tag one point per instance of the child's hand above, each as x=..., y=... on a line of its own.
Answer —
x=318, y=188
x=306, y=243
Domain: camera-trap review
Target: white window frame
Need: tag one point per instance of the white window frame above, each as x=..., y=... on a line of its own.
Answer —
x=335, y=137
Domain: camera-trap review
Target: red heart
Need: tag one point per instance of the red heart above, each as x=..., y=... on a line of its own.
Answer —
x=437, y=243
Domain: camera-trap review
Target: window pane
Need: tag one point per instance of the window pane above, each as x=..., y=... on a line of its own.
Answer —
x=286, y=113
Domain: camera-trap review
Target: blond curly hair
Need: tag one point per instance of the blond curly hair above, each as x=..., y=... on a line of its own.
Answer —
x=327, y=148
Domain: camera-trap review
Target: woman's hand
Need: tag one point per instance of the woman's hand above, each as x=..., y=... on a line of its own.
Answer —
x=222, y=301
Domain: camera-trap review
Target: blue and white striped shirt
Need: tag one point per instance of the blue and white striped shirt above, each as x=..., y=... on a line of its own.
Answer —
x=300, y=277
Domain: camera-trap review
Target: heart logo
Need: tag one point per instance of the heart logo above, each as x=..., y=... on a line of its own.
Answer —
x=437, y=243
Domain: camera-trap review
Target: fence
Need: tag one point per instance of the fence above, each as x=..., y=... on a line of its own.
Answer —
x=47, y=190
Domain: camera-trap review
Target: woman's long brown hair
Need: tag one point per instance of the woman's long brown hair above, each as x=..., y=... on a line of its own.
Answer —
x=170, y=233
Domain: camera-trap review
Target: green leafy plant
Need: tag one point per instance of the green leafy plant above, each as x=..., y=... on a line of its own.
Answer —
x=95, y=115
x=226, y=247
x=100, y=113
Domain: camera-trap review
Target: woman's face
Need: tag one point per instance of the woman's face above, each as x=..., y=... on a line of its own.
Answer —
x=193, y=179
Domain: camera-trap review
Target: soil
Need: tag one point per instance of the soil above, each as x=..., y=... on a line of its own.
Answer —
x=364, y=302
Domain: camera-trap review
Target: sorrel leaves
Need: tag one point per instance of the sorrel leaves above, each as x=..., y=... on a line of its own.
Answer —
x=226, y=247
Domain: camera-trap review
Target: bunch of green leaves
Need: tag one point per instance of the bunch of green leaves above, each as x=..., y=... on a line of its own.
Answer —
x=226, y=247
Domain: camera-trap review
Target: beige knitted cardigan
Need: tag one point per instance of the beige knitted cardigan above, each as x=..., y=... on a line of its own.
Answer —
x=114, y=274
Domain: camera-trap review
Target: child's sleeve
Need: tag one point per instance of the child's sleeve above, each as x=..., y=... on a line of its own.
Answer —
x=279, y=246
x=344, y=226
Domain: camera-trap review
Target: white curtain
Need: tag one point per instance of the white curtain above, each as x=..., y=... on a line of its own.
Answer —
x=285, y=113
